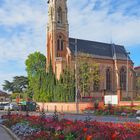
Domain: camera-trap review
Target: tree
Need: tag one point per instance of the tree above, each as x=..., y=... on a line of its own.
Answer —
x=36, y=71
x=66, y=87
x=15, y=95
x=51, y=84
x=88, y=75
x=8, y=86
x=18, y=85
x=84, y=77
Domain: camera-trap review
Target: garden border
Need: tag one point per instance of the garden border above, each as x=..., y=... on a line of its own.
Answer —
x=13, y=136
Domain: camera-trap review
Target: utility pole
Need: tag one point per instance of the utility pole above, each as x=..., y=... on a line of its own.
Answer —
x=127, y=76
x=76, y=79
x=76, y=86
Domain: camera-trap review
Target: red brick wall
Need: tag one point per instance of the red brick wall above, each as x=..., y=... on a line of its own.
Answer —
x=129, y=103
x=66, y=107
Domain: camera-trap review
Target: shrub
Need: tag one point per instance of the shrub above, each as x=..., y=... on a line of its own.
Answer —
x=96, y=105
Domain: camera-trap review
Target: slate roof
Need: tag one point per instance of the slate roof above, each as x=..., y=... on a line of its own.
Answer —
x=137, y=68
x=98, y=49
x=2, y=93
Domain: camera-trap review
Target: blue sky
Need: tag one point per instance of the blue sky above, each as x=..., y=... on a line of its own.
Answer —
x=23, y=28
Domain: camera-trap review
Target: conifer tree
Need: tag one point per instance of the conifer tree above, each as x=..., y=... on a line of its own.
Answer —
x=67, y=86
x=51, y=83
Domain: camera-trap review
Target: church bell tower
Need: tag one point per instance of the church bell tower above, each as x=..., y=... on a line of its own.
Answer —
x=57, y=35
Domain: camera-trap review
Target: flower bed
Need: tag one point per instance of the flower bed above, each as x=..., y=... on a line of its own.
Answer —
x=112, y=110
x=39, y=128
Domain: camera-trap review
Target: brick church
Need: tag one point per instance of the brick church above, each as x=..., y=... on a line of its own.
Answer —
x=113, y=60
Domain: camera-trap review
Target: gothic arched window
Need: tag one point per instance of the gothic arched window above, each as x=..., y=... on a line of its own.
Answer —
x=96, y=83
x=59, y=15
x=123, y=78
x=60, y=43
x=108, y=79
x=96, y=86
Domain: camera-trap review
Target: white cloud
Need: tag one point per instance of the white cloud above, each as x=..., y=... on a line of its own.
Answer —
x=18, y=12
x=25, y=26
x=14, y=16
x=101, y=24
x=25, y=22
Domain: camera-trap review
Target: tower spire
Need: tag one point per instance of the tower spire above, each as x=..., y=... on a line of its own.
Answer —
x=57, y=34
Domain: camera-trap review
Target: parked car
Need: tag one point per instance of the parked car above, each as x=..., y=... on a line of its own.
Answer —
x=30, y=106
x=2, y=104
x=11, y=106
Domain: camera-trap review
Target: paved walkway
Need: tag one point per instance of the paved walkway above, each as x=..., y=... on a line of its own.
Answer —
x=101, y=118
x=83, y=117
x=4, y=135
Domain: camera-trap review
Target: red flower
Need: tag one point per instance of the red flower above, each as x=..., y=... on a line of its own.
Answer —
x=113, y=137
x=85, y=129
x=68, y=122
x=89, y=137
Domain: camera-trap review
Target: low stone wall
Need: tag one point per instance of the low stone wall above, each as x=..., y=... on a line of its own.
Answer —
x=71, y=107
x=66, y=107
x=129, y=103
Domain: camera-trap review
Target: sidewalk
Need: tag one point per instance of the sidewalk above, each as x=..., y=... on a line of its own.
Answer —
x=4, y=135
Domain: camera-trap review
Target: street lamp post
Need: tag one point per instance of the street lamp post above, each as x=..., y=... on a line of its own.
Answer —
x=76, y=86
x=127, y=73
x=76, y=80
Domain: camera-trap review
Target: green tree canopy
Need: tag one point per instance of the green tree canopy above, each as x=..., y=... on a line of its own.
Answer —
x=18, y=85
x=36, y=71
x=88, y=75
x=35, y=64
x=65, y=89
x=8, y=86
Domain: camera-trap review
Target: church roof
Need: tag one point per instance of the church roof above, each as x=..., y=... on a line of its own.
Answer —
x=2, y=93
x=98, y=49
x=137, y=68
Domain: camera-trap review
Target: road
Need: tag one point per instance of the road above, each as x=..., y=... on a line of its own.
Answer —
x=101, y=118
x=83, y=117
